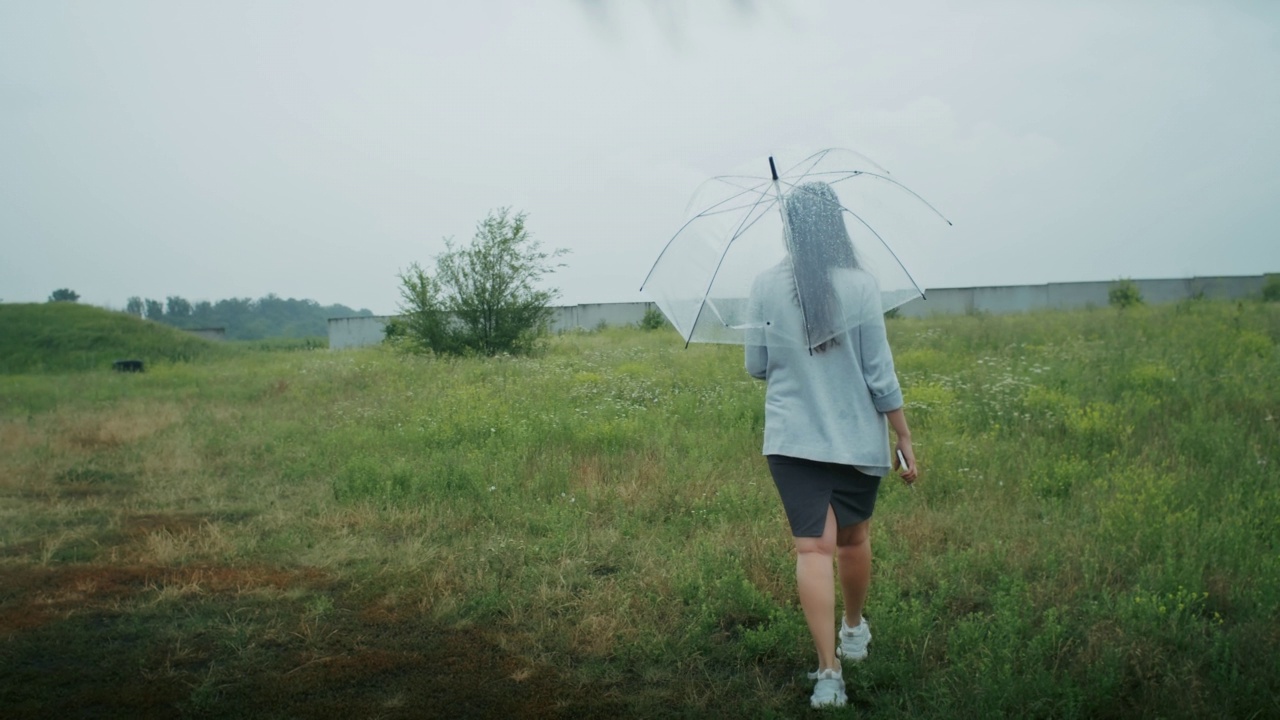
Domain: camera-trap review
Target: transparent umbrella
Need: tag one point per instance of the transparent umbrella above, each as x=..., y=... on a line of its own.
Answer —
x=792, y=257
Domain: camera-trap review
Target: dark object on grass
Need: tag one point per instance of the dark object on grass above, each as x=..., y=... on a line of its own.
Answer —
x=127, y=366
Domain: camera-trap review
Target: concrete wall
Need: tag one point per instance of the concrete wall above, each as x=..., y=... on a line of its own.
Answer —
x=356, y=331
x=360, y=331
x=1068, y=296
x=590, y=316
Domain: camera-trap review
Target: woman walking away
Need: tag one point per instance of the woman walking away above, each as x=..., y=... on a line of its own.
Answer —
x=822, y=349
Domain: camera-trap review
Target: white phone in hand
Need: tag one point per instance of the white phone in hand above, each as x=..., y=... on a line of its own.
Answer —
x=902, y=461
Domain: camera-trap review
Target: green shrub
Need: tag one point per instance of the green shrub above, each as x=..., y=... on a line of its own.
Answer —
x=1271, y=291
x=653, y=319
x=395, y=328
x=1124, y=293
x=483, y=298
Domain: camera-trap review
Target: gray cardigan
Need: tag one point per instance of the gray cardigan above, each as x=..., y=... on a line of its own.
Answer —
x=826, y=406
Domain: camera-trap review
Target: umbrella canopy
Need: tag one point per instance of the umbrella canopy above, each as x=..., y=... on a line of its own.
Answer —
x=817, y=232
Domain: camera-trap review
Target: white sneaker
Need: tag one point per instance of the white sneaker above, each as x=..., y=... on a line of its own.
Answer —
x=828, y=691
x=853, y=641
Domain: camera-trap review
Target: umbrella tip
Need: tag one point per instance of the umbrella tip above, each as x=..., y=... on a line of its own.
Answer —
x=772, y=169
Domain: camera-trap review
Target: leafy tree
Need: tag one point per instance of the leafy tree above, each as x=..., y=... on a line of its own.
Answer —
x=135, y=307
x=177, y=307
x=244, y=318
x=482, y=298
x=64, y=295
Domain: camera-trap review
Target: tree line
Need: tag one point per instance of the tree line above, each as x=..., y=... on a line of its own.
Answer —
x=244, y=318
x=482, y=298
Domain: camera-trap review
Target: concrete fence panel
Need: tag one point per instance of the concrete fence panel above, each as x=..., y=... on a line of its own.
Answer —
x=1011, y=299
x=362, y=331
x=590, y=316
x=1226, y=288
x=357, y=331
x=1158, y=292
x=940, y=301
x=1071, y=296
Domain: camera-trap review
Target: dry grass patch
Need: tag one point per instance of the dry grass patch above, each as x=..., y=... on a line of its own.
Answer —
x=206, y=542
x=172, y=465
x=17, y=436
x=122, y=424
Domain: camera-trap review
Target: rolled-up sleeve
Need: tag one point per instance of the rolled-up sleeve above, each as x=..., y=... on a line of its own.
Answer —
x=877, y=362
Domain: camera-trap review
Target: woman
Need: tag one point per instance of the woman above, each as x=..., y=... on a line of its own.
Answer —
x=825, y=409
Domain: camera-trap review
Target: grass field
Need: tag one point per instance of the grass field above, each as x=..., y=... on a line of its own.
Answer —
x=592, y=532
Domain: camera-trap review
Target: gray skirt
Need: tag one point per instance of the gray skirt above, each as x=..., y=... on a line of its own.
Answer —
x=809, y=487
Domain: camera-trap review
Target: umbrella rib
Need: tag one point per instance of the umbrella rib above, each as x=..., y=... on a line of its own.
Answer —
x=888, y=179
x=743, y=227
x=760, y=189
x=747, y=227
x=824, y=173
x=851, y=174
x=731, y=181
x=713, y=206
x=726, y=210
x=886, y=245
x=892, y=254
x=816, y=158
x=747, y=185
x=704, y=213
x=821, y=154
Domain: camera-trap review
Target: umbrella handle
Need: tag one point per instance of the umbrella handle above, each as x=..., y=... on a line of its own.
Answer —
x=773, y=169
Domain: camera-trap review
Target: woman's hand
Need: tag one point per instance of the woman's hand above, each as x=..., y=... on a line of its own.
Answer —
x=910, y=471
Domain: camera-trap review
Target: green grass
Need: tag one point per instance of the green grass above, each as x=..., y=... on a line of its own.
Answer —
x=282, y=344
x=67, y=337
x=592, y=531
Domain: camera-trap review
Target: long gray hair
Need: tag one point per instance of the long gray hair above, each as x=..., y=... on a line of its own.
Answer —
x=819, y=243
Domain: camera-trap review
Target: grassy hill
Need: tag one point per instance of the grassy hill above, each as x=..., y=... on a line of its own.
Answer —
x=62, y=337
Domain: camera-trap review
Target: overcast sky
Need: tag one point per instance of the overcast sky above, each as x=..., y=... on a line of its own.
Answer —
x=315, y=149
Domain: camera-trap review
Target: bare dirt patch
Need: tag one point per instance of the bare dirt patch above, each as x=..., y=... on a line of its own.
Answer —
x=32, y=596
x=87, y=636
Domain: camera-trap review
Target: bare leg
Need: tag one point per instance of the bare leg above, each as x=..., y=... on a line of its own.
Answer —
x=817, y=590
x=854, y=555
